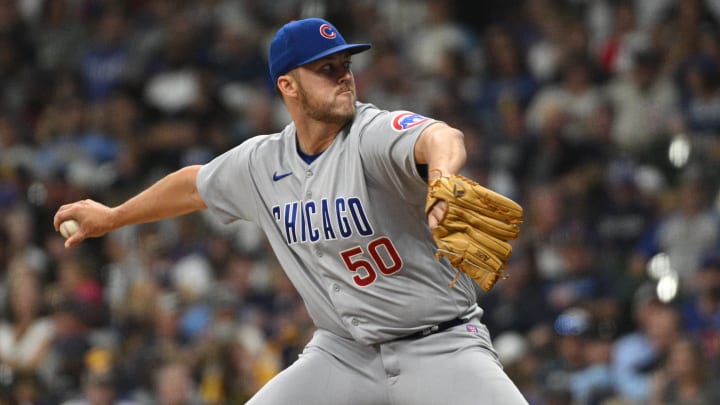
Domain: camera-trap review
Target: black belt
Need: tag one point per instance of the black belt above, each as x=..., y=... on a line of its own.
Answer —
x=435, y=329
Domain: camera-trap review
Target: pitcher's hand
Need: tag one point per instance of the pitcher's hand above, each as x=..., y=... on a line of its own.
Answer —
x=94, y=220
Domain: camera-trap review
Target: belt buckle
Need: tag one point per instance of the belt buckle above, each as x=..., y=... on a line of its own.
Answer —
x=430, y=330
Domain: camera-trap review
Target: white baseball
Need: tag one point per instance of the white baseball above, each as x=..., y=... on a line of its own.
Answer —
x=68, y=228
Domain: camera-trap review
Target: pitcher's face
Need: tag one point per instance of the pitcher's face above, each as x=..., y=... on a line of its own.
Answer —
x=326, y=89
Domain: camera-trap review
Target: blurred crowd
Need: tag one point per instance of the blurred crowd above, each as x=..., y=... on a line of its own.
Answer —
x=601, y=117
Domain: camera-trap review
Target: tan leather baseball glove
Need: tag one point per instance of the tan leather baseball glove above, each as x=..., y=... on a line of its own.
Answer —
x=475, y=231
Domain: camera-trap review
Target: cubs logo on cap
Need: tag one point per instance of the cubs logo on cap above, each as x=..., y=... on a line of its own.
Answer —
x=303, y=41
x=406, y=120
x=328, y=31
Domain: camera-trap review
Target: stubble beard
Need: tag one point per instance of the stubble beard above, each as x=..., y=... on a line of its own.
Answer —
x=331, y=113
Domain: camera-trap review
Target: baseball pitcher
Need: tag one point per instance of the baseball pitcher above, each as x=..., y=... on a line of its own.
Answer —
x=384, y=254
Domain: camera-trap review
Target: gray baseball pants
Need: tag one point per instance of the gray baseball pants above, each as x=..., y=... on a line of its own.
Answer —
x=455, y=366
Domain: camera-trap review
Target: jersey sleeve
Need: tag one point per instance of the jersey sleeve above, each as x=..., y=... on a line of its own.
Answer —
x=223, y=184
x=387, y=148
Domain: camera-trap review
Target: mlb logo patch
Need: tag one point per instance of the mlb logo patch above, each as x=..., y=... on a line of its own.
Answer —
x=472, y=328
x=406, y=120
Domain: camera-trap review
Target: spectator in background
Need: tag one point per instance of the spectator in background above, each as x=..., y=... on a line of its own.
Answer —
x=173, y=81
x=235, y=363
x=582, y=365
x=100, y=384
x=389, y=82
x=98, y=389
x=700, y=310
x=441, y=36
x=75, y=142
x=70, y=342
x=595, y=382
x=174, y=385
x=645, y=104
x=59, y=130
x=59, y=36
x=562, y=148
x=77, y=280
x=16, y=153
x=545, y=216
x=235, y=55
x=18, y=71
x=582, y=283
x=21, y=246
x=687, y=232
x=684, y=378
x=571, y=333
x=615, y=53
x=575, y=97
x=29, y=388
x=623, y=214
x=26, y=332
x=289, y=325
x=708, y=41
x=103, y=65
x=700, y=102
x=636, y=355
x=678, y=33
x=517, y=304
x=152, y=335
x=122, y=120
x=542, y=37
x=505, y=80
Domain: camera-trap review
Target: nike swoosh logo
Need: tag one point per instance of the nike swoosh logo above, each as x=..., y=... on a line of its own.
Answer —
x=277, y=176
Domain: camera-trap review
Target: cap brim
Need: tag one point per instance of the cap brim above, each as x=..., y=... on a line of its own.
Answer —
x=353, y=48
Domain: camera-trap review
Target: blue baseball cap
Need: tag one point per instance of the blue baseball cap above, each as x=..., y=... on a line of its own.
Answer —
x=573, y=322
x=304, y=41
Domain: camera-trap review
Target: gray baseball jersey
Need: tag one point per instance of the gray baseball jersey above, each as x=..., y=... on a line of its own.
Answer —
x=349, y=228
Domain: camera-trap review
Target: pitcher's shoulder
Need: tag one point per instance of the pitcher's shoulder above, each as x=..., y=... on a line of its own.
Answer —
x=368, y=110
x=268, y=141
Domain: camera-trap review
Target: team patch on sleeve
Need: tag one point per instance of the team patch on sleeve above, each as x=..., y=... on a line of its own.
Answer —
x=405, y=120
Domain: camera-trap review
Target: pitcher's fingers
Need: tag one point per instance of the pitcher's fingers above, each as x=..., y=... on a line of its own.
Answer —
x=73, y=240
x=437, y=213
x=64, y=213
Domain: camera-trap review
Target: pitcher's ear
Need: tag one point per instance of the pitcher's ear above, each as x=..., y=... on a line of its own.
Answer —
x=286, y=85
